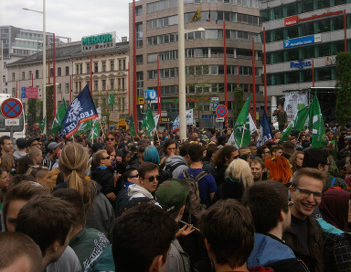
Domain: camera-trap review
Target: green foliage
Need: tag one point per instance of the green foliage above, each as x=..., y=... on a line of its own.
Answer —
x=343, y=93
x=238, y=101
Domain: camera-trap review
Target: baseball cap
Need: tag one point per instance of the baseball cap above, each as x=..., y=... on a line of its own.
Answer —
x=52, y=146
x=172, y=194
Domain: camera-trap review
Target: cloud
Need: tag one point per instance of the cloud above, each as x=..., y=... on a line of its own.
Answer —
x=66, y=18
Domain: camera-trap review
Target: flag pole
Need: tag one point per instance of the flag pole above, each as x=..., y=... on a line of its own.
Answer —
x=225, y=73
x=242, y=136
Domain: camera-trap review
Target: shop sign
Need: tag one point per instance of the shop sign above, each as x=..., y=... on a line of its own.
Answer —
x=306, y=40
x=293, y=20
x=300, y=64
x=98, y=42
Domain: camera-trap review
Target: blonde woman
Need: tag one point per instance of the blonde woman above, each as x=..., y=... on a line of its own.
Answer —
x=238, y=177
x=73, y=164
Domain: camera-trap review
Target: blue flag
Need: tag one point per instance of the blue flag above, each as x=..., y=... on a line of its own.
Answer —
x=265, y=130
x=81, y=110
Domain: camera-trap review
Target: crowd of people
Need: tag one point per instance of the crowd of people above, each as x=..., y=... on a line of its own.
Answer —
x=133, y=204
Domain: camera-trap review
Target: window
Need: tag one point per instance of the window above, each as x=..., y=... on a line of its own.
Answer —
x=123, y=84
x=103, y=66
x=36, y=74
x=13, y=76
x=139, y=59
x=59, y=90
x=23, y=75
x=66, y=88
x=88, y=67
x=112, y=84
x=96, y=85
x=51, y=72
x=30, y=74
x=138, y=10
x=96, y=67
x=119, y=84
x=112, y=65
x=67, y=70
x=59, y=71
x=104, y=85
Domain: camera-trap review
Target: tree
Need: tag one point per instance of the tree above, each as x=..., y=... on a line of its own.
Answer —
x=343, y=93
x=238, y=101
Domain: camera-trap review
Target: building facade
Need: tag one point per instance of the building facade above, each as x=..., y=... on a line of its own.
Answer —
x=72, y=73
x=19, y=42
x=302, y=34
x=157, y=39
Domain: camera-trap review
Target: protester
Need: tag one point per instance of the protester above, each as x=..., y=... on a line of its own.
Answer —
x=48, y=221
x=238, y=178
x=142, y=237
x=258, y=169
x=21, y=151
x=53, y=149
x=222, y=158
x=73, y=165
x=102, y=173
x=176, y=164
x=296, y=160
x=91, y=246
x=282, y=117
x=305, y=235
x=19, y=253
x=206, y=182
x=172, y=196
x=6, y=145
x=270, y=208
x=228, y=231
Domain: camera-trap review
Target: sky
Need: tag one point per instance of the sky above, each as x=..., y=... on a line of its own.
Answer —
x=69, y=18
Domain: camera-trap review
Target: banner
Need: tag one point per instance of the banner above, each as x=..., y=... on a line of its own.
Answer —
x=294, y=101
x=241, y=134
x=265, y=130
x=189, y=119
x=60, y=114
x=81, y=110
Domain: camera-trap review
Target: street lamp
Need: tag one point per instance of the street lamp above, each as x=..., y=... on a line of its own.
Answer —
x=43, y=12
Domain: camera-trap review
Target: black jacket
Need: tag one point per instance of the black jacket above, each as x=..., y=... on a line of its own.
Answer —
x=104, y=177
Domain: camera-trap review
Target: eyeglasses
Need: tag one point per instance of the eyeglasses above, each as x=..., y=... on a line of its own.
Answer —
x=307, y=193
x=291, y=203
x=110, y=139
x=107, y=158
x=135, y=176
x=151, y=179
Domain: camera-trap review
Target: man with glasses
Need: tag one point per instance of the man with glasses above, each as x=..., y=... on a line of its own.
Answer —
x=271, y=211
x=305, y=234
x=148, y=182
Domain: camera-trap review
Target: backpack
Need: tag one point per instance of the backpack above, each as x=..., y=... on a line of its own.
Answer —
x=195, y=205
x=166, y=173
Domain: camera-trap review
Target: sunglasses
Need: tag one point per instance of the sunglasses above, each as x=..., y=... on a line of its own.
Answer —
x=291, y=203
x=110, y=139
x=107, y=158
x=151, y=179
x=135, y=176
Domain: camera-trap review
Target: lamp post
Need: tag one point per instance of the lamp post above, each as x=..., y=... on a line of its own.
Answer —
x=43, y=12
x=181, y=70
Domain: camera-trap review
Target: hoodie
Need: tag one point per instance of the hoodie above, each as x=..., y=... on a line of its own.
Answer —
x=136, y=191
x=178, y=163
x=268, y=250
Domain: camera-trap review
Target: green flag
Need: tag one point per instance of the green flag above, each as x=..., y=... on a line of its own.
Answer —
x=149, y=123
x=60, y=114
x=310, y=115
x=95, y=132
x=286, y=132
x=241, y=135
x=85, y=127
x=111, y=99
x=300, y=120
x=42, y=124
x=318, y=129
x=132, y=130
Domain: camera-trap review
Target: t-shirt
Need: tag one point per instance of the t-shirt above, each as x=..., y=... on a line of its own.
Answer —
x=207, y=185
x=301, y=228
